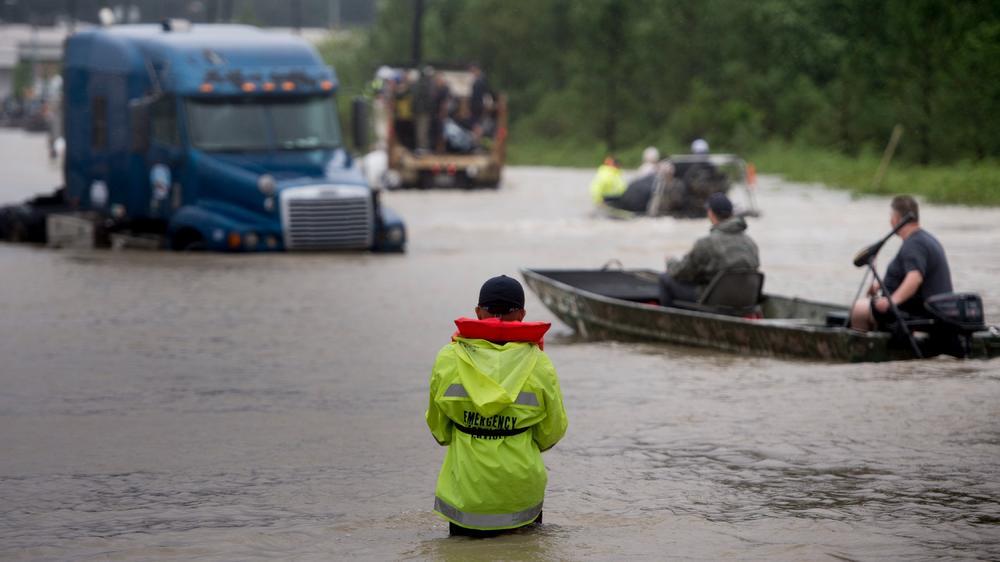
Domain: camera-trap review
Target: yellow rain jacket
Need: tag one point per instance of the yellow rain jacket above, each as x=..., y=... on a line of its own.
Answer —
x=607, y=183
x=496, y=404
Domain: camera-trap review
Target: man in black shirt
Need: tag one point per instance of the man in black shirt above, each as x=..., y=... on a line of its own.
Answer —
x=920, y=270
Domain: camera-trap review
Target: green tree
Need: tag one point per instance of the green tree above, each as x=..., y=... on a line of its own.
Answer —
x=616, y=73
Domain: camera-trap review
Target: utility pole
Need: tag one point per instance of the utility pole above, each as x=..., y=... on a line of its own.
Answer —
x=417, y=36
x=333, y=14
x=71, y=15
x=34, y=53
x=297, y=15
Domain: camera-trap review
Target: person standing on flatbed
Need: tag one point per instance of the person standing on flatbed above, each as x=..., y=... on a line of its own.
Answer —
x=495, y=403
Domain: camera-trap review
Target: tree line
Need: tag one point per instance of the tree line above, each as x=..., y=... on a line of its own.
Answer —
x=830, y=73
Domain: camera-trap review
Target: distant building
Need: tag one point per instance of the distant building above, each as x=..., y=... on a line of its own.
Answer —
x=38, y=47
x=267, y=13
x=41, y=49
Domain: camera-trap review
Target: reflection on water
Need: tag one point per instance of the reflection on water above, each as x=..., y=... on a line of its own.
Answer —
x=166, y=406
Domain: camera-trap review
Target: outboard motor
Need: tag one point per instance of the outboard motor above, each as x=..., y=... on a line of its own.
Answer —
x=957, y=316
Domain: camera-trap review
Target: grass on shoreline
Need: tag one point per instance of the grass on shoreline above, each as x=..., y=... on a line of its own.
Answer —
x=963, y=183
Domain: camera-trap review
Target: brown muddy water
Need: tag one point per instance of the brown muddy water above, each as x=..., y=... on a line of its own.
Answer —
x=161, y=406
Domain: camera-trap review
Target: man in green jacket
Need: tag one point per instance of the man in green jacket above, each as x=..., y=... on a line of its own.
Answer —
x=727, y=246
x=495, y=403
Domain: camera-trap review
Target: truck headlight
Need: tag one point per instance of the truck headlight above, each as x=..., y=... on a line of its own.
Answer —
x=265, y=183
x=394, y=235
x=472, y=171
x=250, y=240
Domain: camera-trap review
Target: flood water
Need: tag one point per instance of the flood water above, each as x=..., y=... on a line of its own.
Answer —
x=162, y=406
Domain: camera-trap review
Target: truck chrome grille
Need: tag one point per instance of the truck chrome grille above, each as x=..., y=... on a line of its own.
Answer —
x=327, y=217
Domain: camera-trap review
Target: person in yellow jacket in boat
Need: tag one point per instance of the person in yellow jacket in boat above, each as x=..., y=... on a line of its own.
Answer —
x=608, y=184
x=495, y=403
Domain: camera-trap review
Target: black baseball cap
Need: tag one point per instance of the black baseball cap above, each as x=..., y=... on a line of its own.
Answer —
x=501, y=294
x=720, y=205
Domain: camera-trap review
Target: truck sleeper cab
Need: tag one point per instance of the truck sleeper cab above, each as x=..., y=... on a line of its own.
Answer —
x=221, y=137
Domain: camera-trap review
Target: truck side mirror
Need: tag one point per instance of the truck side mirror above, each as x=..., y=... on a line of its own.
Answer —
x=359, y=123
x=138, y=112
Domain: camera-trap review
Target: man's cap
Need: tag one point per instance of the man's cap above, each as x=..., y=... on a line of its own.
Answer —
x=719, y=204
x=501, y=293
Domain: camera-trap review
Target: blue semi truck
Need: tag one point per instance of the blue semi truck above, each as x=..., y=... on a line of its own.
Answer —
x=216, y=137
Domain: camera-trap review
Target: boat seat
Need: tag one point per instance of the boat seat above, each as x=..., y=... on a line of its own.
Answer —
x=734, y=292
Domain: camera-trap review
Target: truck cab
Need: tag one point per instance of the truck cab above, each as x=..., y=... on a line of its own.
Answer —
x=219, y=137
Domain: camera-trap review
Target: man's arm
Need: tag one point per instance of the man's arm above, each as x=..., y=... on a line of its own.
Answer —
x=909, y=287
x=690, y=267
x=551, y=429
x=873, y=289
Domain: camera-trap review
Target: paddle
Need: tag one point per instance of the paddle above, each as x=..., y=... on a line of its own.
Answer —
x=864, y=256
x=867, y=257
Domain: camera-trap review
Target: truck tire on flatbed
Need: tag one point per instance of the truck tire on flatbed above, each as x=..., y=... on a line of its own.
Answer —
x=425, y=180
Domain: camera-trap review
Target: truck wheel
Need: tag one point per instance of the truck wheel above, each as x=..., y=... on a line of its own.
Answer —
x=187, y=240
x=425, y=180
x=18, y=232
x=12, y=228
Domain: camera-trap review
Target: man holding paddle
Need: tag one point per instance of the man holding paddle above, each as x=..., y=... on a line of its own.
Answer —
x=919, y=270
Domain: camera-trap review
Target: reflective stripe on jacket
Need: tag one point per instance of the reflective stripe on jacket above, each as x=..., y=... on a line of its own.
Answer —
x=496, y=406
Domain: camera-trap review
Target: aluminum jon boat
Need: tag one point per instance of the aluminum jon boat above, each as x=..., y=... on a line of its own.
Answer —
x=624, y=304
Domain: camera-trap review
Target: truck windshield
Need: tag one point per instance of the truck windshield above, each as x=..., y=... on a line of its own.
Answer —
x=249, y=124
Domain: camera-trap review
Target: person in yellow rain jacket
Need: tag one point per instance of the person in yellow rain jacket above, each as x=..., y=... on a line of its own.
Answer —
x=495, y=403
x=608, y=184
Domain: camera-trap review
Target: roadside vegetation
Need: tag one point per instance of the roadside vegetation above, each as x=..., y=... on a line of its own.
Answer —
x=964, y=182
x=809, y=89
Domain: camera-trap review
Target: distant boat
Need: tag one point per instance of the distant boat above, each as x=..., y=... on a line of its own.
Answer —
x=624, y=304
x=683, y=191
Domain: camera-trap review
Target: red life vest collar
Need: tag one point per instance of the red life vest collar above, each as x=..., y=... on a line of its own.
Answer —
x=498, y=331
